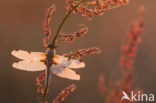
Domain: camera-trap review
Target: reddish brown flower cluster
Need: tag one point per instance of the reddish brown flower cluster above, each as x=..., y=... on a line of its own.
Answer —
x=85, y=8
x=129, y=50
x=40, y=88
x=68, y=4
x=64, y=93
x=39, y=81
x=71, y=37
x=133, y=38
x=102, y=86
x=100, y=6
x=80, y=53
x=46, y=27
x=121, y=2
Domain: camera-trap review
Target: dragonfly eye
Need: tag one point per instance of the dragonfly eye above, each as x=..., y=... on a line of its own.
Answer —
x=51, y=46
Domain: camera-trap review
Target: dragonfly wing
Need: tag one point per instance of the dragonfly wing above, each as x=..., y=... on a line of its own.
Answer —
x=60, y=59
x=29, y=56
x=29, y=65
x=72, y=63
x=65, y=72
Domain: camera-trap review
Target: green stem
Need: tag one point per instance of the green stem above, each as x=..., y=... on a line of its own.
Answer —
x=54, y=40
x=63, y=21
x=44, y=94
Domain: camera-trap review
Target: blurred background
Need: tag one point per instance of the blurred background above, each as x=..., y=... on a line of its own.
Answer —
x=21, y=28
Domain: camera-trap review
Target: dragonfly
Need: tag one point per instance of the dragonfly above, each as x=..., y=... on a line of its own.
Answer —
x=48, y=61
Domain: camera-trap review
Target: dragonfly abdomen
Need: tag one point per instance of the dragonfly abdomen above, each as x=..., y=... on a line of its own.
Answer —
x=49, y=57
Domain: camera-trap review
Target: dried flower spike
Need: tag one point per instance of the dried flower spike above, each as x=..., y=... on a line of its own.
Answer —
x=40, y=88
x=133, y=38
x=129, y=50
x=101, y=84
x=64, y=93
x=71, y=37
x=99, y=8
x=80, y=53
x=46, y=22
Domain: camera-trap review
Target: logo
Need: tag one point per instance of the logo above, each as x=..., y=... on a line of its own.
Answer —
x=137, y=96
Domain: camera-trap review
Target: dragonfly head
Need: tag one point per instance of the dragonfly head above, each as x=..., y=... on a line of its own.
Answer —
x=51, y=46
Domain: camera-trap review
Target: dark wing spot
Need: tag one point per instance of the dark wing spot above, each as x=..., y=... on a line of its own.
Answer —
x=29, y=52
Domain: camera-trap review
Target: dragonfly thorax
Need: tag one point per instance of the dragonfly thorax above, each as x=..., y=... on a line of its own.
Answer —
x=49, y=56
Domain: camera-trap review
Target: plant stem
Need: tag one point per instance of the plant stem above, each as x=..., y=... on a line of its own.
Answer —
x=54, y=40
x=44, y=94
x=63, y=21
